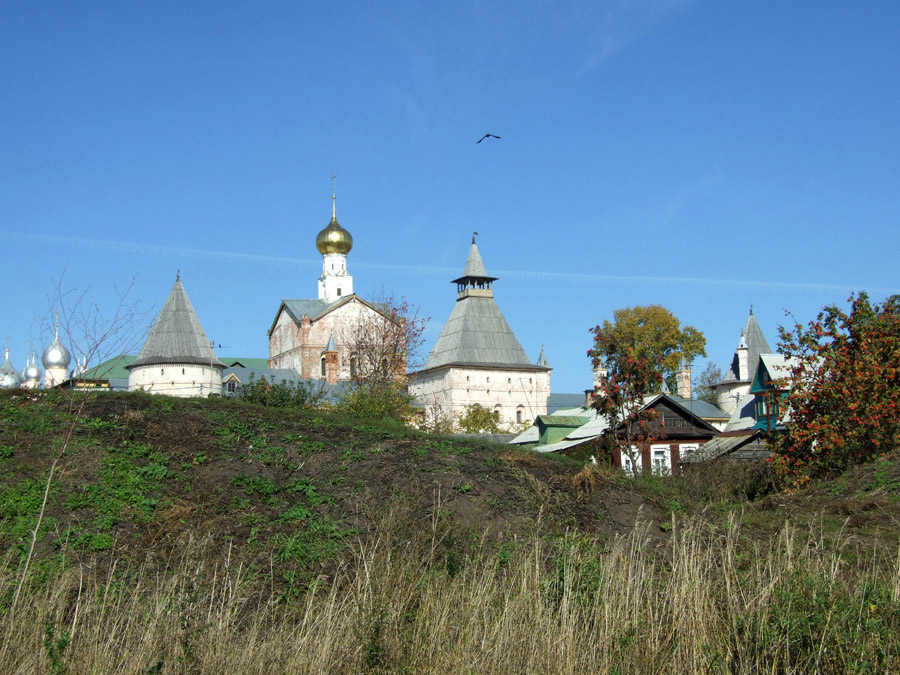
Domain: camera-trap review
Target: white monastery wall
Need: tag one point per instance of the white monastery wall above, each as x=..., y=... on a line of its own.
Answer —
x=518, y=396
x=176, y=379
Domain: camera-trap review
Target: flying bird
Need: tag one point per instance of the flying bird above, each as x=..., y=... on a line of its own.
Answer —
x=485, y=136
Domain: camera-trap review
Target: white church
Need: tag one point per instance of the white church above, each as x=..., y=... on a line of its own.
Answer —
x=319, y=337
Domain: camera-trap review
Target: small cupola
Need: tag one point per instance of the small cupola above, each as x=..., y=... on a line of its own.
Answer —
x=475, y=281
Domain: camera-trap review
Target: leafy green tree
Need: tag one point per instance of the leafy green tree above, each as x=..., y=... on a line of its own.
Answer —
x=703, y=386
x=843, y=397
x=650, y=333
x=479, y=420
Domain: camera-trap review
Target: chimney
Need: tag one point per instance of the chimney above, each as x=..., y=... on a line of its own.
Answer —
x=683, y=378
x=600, y=374
x=743, y=354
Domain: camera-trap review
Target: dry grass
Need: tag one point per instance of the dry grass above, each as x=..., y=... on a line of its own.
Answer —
x=707, y=603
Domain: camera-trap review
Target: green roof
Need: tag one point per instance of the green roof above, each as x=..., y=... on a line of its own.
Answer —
x=254, y=362
x=111, y=369
x=115, y=368
x=563, y=420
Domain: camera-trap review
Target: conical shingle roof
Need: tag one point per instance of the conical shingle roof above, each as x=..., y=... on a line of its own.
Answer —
x=753, y=339
x=476, y=332
x=177, y=336
x=474, y=266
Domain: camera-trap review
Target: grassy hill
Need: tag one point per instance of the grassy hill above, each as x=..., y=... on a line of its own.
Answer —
x=216, y=535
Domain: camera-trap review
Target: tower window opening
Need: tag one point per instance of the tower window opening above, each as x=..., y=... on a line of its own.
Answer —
x=323, y=367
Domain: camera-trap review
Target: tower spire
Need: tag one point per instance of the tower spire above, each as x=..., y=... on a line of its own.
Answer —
x=333, y=191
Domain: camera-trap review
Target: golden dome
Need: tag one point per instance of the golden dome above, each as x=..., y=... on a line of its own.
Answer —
x=334, y=239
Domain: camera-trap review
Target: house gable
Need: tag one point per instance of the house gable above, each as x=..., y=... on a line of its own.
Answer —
x=674, y=421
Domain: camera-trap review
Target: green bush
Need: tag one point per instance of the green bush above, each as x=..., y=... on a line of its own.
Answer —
x=386, y=401
x=479, y=420
x=284, y=394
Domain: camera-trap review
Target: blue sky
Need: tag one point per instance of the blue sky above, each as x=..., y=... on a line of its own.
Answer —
x=705, y=156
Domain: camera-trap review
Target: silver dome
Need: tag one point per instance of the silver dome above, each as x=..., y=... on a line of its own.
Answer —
x=56, y=356
x=9, y=378
x=32, y=373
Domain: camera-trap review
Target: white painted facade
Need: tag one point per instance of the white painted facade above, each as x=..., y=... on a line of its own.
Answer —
x=519, y=396
x=176, y=379
x=53, y=377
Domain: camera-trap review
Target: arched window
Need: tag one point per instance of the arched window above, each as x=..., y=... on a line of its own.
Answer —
x=324, y=369
x=498, y=410
x=520, y=415
x=353, y=367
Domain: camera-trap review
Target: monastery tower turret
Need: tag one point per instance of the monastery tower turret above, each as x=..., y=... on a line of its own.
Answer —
x=477, y=359
x=177, y=359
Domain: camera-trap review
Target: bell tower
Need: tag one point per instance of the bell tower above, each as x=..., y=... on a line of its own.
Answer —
x=334, y=243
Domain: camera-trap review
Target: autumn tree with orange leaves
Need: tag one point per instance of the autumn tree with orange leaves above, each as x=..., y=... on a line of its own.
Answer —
x=844, y=396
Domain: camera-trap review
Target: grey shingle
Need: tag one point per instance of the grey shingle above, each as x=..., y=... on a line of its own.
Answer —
x=477, y=333
x=474, y=264
x=177, y=336
x=753, y=337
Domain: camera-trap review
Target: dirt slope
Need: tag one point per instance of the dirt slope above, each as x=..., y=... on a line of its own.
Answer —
x=142, y=473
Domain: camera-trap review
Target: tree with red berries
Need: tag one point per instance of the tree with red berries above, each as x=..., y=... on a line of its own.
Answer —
x=844, y=396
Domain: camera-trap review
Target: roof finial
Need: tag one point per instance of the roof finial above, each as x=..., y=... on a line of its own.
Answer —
x=57, y=324
x=333, y=191
x=474, y=234
x=178, y=275
x=751, y=310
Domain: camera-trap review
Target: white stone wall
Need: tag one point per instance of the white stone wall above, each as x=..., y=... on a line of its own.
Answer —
x=176, y=379
x=53, y=377
x=728, y=394
x=449, y=391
